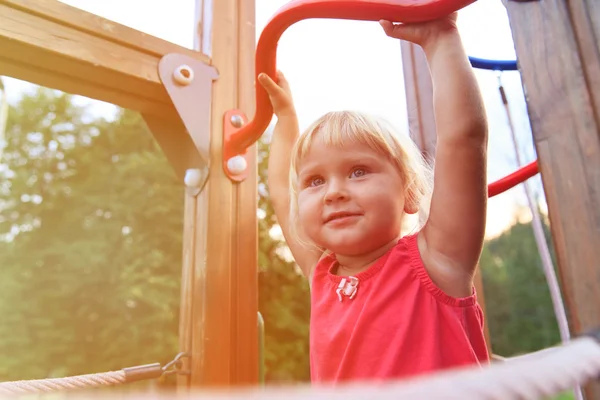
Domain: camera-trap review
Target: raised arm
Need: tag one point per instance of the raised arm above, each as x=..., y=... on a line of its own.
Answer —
x=285, y=134
x=452, y=239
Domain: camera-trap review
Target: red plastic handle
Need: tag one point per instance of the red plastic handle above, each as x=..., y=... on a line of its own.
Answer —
x=298, y=10
x=363, y=10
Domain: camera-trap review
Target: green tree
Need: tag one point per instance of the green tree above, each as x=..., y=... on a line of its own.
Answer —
x=283, y=293
x=91, y=220
x=518, y=304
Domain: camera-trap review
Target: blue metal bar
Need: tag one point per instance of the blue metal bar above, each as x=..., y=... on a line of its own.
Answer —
x=493, y=65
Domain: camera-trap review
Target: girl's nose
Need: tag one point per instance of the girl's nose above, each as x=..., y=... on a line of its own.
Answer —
x=336, y=191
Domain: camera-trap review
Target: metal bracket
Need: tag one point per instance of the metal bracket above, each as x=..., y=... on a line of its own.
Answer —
x=234, y=165
x=188, y=82
x=155, y=370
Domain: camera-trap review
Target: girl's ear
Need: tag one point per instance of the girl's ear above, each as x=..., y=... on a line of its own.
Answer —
x=411, y=203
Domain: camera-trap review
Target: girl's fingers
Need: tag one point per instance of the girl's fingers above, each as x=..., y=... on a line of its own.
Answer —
x=387, y=26
x=400, y=31
x=281, y=80
x=283, y=83
x=266, y=81
x=272, y=88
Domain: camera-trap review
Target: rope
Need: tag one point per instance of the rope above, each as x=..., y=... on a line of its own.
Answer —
x=69, y=383
x=534, y=376
x=126, y=375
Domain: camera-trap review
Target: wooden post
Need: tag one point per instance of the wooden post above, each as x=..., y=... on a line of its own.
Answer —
x=421, y=120
x=222, y=242
x=559, y=59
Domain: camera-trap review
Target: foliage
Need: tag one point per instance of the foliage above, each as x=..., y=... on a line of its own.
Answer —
x=92, y=221
x=283, y=295
x=518, y=303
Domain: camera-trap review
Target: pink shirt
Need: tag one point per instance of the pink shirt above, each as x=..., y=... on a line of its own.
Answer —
x=392, y=321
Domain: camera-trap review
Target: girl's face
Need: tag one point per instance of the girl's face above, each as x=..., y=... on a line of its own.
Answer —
x=350, y=199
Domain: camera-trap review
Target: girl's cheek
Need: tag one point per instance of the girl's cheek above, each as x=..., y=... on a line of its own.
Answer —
x=301, y=200
x=308, y=196
x=308, y=206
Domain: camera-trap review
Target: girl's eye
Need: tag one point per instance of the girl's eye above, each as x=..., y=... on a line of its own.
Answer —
x=359, y=172
x=316, y=181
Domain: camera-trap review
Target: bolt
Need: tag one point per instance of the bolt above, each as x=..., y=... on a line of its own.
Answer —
x=183, y=75
x=237, y=121
x=193, y=178
x=237, y=165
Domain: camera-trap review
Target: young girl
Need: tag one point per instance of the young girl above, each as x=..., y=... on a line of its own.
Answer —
x=386, y=306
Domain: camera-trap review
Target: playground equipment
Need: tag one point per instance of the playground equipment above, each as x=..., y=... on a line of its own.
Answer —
x=195, y=103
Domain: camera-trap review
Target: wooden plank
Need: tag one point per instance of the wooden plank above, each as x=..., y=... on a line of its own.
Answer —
x=586, y=17
x=211, y=340
x=246, y=273
x=225, y=299
x=186, y=313
x=421, y=122
x=594, y=14
x=559, y=61
x=58, y=46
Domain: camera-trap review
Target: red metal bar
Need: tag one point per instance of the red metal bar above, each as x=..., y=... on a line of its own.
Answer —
x=512, y=180
x=297, y=10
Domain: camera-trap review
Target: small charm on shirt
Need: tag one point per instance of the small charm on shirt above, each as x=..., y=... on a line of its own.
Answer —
x=347, y=287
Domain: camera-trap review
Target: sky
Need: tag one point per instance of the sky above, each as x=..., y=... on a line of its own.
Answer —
x=333, y=64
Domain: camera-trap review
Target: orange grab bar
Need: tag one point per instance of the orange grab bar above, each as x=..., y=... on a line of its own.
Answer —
x=298, y=10
x=362, y=10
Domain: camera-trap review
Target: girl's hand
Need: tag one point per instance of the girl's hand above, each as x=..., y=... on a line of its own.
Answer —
x=279, y=94
x=423, y=34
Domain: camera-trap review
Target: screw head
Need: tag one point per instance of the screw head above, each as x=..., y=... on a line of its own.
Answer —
x=193, y=178
x=237, y=165
x=237, y=121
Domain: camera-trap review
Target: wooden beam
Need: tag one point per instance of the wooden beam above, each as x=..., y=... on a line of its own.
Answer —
x=558, y=52
x=421, y=123
x=224, y=300
x=61, y=47
x=58, y=46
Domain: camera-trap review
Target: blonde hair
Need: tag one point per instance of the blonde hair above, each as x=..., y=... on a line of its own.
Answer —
x=340, y=127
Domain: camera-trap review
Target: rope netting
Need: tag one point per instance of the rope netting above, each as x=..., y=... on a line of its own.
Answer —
x=533, y=376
